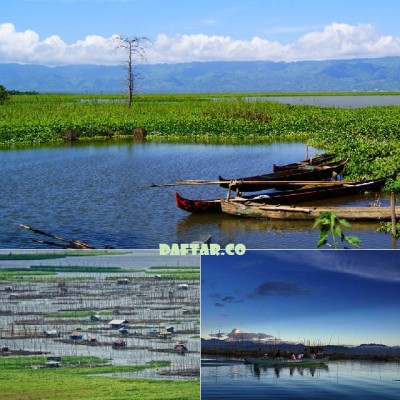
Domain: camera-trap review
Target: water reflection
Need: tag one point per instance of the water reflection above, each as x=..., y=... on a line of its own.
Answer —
x=339, y=380
x=257, y=370
x=99, y=194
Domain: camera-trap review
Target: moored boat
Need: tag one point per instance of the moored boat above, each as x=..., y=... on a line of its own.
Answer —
x=268, y=181
x=197, y=206
x=287, y=197
x=293, y=213
x=280, y=362
x=317, y=160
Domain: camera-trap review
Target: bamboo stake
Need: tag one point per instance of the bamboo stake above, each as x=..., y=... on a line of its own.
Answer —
x=393, y=209
x=74, y=243
x=240, y=182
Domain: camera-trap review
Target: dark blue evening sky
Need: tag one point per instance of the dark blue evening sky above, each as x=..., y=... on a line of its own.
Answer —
x=345, y=297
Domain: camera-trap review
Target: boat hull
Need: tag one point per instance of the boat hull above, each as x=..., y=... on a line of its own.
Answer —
x=292, y=213
x=317, y=160
x=198, y=206
x=266, y=181
x=286, y=197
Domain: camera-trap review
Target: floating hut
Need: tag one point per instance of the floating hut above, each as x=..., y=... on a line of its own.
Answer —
x=119, y=343
x=75, y=336
x=165, y=335
x=52, y=333
x=123, y=281
x=118, y=324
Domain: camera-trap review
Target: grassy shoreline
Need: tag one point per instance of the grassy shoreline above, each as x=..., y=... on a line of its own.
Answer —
x=368, y=135
x=76, y=381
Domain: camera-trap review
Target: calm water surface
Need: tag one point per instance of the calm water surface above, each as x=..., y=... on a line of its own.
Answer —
x=98, y=194
x=335, y=101
x=336, y=380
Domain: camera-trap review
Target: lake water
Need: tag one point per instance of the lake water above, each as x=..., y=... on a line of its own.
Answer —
x=98, y=194
x=336, y=380
x=334, y=101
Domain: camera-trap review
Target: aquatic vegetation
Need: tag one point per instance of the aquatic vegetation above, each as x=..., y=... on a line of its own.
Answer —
x=368, y=135
x=329, y=223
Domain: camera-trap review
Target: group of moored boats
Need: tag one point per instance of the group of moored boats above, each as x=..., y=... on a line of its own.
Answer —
x=305, y=181
x=281, y=362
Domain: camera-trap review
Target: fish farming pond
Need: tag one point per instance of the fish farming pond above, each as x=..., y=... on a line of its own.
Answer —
x=131, y=315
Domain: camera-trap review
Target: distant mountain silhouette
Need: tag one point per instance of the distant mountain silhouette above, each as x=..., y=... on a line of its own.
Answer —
x=382, y=74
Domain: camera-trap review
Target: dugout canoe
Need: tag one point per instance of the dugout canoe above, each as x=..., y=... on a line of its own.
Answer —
x=307, y=173
x=294, y=213
x=198, y=206
x=317, y=160
x=286, y=197
x=277, y=362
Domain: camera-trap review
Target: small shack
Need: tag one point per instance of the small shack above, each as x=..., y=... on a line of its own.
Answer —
x=123, y=281
x=123, y=331
x=53, y=361
x=75, y=336
x=180, y=348
x=165, y=335
x=118, y=324
x=52, y=333
x=119, y=343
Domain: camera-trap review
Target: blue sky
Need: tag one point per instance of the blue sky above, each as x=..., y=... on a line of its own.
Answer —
x=345, y=297
x=57, y=32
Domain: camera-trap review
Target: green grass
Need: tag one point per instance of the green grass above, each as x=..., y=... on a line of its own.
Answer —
x=48, y=256
x=19, y=382
x=74, y=268
x=175, y=267
x=76, y=314
x=178, y=275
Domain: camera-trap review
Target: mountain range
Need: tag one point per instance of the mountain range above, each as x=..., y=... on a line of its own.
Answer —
x=379, y=74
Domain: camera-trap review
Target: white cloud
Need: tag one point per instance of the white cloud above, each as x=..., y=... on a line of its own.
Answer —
x=27, y=48
x=335, y=41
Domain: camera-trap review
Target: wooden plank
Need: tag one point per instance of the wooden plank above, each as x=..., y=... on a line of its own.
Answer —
x=240, y=182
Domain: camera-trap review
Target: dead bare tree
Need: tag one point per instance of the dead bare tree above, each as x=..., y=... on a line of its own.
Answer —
x=135, y=51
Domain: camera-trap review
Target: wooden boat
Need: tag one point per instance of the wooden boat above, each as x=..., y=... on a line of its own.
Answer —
x=198, y=206
x=293, y=213
x=266, y=181
x=278, y=362
x=317, y=160
x=286, y=197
